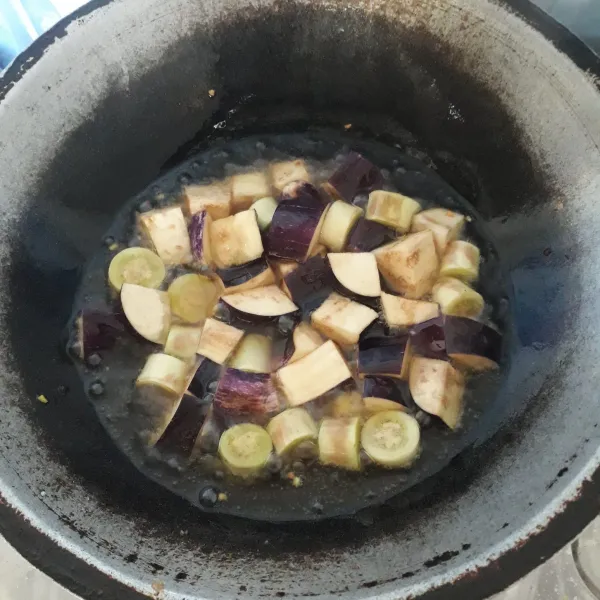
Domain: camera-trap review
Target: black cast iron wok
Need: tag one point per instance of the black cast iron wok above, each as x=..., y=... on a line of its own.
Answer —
x=106, y=102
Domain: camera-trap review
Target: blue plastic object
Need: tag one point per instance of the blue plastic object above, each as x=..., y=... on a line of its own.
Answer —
x=22, y=21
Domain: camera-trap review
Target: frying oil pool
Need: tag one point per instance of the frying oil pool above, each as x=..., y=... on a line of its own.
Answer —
x=109, y=378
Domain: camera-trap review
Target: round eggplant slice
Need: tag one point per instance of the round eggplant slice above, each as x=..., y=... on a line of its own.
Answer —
x=245, y=449
x=391, y=439
x=136, y=265
x=193, y=297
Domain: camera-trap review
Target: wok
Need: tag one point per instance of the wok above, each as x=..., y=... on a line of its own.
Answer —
x=501, y=101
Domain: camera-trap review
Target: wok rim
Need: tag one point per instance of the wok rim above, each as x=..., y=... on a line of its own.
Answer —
x=46, y=553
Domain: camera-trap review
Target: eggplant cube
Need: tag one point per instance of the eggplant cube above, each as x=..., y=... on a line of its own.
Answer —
x=437, y=388
x=342, y=319
x=305, y=340
x=391, y=209
x=457, y=298
x=218, y=340
x=387, y=356
x=215, y=199
x=410, y=265
x=357, y=272
x=314, y=375
x=236, y=240
x=268, y=301
x=402, y=312
x=246, y=188
x=183, y=341
x=338, y=223
x=285, y=172
x=461, y=261
x=168, y=231
x=445, y=225
x=367, y=235
x=165, y=372
x=147, y=310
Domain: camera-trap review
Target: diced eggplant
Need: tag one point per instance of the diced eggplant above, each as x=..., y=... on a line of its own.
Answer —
x=389, y=388
x=210, y=434
x=136, y=265
x=354, y=176
x=147, y=310
x=367, y=235
x=410, y=265
x=180, y=435
x=313, y=375
x=469, y=343
x=218, y=340
x=215, y=199
x=391, y=439
x=268, y=301
x=304, y=340
x=461, y=261
x=165, y=372
x=357, y=272
x=297, y=222
x=438, y=389
x=291, y=428
x=246, y=188
x=311, y=283
x=282, y=268
x=283, y=173
x=182, y=341
x=205, y=378
x=373, y=405
x=391, y=209
x=346, y=404
x=193, y=297
x=457, y=298
x=386, y=356
x=445, y=225
x=265, y=209
x=339, y=221
x=236, y=240
x=342, y=319
x=168, y=231
x=246, y=395
x=200, y=237
x=253, y=354
x=339, y=443
x=245, y=449
x=95, y=330
x=402, y=312
x=247, y=277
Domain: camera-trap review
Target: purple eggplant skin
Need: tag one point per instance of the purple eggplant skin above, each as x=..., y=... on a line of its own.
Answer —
x=238, y=275
x=295, y=222
x=367, y=235
x=311, y=283
x=383, y=356
x=429, y=338
x=198, y=229
x=205, y=379
x=389, y=388
x=248, y=395
x=95, y=330
x=180, y=435
x=471, y=343
x=354, y=176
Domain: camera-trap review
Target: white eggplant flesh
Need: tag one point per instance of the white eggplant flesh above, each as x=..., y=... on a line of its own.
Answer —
x=339, y=221
x=456, y=298
x=246, y=188
x=183, y=341
x=214, y=198
x=402, y=312
x=286, y=172
x=357, y=272
x=339, y=443
x=167, y=229
x=147, y=310
x=166, y=372
x=461, y=261
x=392, y=210
x=268, y=301
x=291, y=428
x=236, y=240
x=218, y=340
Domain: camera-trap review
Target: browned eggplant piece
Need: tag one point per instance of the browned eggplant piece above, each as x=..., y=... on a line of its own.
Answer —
x=180, y=435
x=236, y=240
x=246, y=188
x=295, y=226
x=388, y=356
x=214, y=199
x=283, y=173
x=247, y=277
x=469, y=343
x=246, y=395
x=199, y=230
x=354, y=176
x=311, y=283
x=402, y=312
x=95, y=330
x=368, y=235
